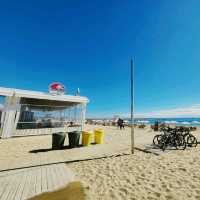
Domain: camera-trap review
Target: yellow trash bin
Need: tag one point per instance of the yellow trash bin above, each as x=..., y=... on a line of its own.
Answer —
x=99, y=136
x=86, y=138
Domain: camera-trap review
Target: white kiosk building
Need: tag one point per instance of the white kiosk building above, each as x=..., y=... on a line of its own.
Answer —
x=24, y=112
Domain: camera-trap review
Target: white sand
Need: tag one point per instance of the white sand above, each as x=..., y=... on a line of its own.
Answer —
x=143, y=176
x=174, y=175
x=36, y=150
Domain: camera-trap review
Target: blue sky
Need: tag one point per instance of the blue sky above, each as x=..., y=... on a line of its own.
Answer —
x=88, y=44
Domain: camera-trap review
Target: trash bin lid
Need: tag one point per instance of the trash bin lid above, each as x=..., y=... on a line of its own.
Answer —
x=59, y=133
x=74, y=132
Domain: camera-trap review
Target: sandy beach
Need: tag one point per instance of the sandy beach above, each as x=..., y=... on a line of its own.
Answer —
x=109, y=171
x=95, y=98
x=172, y=175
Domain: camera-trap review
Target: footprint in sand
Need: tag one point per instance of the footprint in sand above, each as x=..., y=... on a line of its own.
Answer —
x=169, y=197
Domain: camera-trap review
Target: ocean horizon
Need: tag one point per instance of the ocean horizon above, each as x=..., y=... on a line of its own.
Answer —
x=179, y=121
x=176, y=121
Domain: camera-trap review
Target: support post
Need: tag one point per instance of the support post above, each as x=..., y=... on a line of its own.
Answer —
x=132, y=108
x=2, y=120
x=83, y=112
x=10, y=111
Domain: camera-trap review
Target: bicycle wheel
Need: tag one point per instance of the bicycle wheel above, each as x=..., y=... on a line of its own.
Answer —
x=191, y=141
x=163, y=142
x=180, y=143
x=163, y=146
x=156, y=140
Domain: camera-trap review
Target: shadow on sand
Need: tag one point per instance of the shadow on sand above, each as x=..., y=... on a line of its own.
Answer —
x=51, y=149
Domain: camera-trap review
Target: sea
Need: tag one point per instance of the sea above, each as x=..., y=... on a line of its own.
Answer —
x=175, y=121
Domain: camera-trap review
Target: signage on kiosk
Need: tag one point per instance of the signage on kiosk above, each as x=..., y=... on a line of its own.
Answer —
x=56, y=89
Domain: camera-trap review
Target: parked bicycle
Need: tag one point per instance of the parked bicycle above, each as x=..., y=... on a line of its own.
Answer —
x=179, y=137
x=190, y=139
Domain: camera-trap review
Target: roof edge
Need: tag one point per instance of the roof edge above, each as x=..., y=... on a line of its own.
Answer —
x=41, y=95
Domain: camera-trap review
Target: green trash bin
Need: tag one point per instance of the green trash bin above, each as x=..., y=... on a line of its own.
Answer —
x=74, y=138
x=58, y=140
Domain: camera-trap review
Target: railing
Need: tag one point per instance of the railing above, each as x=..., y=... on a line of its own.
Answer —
x=45, y=131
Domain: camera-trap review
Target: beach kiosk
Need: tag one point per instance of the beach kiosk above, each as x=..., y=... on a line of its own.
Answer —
x=26, y=112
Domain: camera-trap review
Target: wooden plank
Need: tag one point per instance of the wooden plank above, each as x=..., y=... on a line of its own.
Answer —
x=66, y=174
x=43, y=179
x=22, y=183
x=4, y=184
x=62, y=173
x=35, y=180
x=31, y=192
x=49, y=179
x=26, y=183
x=58, y=179
x=27, y=186
x=7, y=188
x=53, y=178
x=39, y=181
x=59, y=176
x=15, y=186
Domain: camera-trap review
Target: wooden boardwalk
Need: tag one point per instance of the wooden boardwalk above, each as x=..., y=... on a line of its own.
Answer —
x=25, y=183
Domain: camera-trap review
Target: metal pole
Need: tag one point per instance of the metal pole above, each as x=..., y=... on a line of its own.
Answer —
x=132, y=108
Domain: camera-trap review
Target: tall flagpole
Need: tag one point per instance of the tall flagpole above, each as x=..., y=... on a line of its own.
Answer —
x=132, y=108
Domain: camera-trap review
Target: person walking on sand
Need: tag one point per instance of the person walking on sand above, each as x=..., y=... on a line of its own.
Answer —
x=120, y=123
